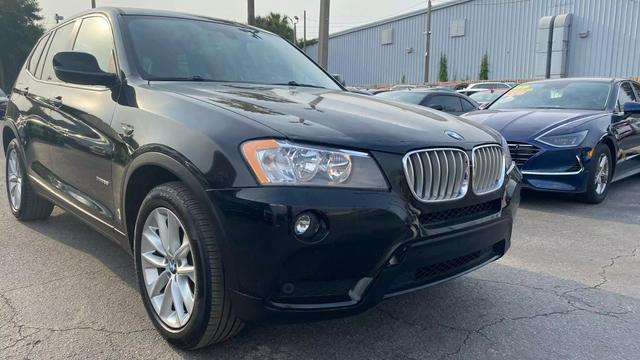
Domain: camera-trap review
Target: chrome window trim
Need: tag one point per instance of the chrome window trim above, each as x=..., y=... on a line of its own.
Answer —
x=502, y=169
x=467, y=174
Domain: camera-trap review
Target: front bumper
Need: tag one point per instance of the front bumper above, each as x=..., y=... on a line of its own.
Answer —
x=558, y=170
x=375, y=247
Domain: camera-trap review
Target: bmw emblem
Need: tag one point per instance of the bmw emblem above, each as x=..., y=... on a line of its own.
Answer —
x=454, y=135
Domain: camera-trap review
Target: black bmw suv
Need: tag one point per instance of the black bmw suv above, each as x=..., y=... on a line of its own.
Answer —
x=245, y=181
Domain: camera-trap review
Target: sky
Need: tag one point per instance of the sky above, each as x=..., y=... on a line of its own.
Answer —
x=345, y=14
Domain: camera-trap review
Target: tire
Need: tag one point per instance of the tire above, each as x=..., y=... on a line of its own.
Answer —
x=595, y=194
x=25, y=204
x=211, y=318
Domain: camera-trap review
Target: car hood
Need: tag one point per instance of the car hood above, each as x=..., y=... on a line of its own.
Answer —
x=337, y=117
x=526, y=124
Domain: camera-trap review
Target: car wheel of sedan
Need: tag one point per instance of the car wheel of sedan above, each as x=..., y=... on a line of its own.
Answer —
x=600, y=175
x=25, y=204
x=180, y=270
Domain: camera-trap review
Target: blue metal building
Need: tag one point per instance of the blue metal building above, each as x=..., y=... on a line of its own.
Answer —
x=598, y=38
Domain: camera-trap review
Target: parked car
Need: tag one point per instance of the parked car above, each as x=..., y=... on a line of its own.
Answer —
x=403, y=87
x=451, y=86
x=490, y=85
x=3, y=103
x=486, y=97
x=441, y=100
x=570, y=135
x=248, y=184
x=357, y=90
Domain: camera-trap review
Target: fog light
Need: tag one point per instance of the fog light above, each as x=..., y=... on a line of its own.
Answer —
x=306, y=225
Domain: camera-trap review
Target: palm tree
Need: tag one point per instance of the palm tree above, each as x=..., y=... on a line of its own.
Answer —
x=277, y=24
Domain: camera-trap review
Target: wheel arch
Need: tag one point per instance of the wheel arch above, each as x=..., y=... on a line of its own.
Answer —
x=8, y=134
x=610, y=142
x=152, y=167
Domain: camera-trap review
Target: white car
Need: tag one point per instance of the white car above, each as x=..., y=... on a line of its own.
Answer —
x=491, y=86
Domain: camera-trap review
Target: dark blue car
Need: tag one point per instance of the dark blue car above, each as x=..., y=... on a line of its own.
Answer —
x=570, y=135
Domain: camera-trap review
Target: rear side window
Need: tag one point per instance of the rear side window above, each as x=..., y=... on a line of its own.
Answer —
x=625, y=95
x=95, y=38
x=448, y=103
x=61, y=42
x=467, y=106
x=35, y=56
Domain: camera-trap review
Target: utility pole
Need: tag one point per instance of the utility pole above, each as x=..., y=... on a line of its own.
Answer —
x=295, y=22
x=304, y=38
x=93, y=4
x=428, y=45
x=323, y=39
x=251, y=12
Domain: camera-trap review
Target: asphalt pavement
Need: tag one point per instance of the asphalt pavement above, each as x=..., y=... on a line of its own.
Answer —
x=568, y=289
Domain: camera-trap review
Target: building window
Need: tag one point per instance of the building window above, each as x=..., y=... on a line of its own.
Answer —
x=458, y=27
x=387, y=37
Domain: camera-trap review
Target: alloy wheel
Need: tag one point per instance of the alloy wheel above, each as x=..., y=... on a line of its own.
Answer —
x=14, y=178
x=602, y=174
x=168, y=267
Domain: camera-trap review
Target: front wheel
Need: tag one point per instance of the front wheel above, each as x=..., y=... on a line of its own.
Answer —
x=180, y=270
x=600, y=175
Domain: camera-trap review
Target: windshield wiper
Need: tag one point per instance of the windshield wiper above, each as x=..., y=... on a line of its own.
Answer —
x=194, y=78
x=295, y=83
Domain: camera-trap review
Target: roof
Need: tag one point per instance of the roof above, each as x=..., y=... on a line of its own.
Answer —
x=115, y=11
x=436, y=7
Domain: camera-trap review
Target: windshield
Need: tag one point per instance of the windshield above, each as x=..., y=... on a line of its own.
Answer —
x=193, y=50
x=582, y=95
x=485, y=96
x=2, y=94
x=403, y=96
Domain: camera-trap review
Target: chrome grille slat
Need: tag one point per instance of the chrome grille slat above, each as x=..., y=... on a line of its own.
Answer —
x=436, y=175
x=522, y=152
x=419, y=176
x=488, y=169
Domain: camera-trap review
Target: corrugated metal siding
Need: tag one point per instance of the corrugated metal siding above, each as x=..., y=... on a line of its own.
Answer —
x=504, y=29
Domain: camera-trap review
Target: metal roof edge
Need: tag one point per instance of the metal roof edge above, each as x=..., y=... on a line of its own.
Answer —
x=397, y=17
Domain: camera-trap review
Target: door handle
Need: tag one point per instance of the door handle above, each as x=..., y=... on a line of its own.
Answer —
x=56, y=101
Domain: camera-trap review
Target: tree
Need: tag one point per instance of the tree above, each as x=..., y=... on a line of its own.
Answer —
x=277, y=24
x=484, y=68
x=443, y=72
x=19, y=31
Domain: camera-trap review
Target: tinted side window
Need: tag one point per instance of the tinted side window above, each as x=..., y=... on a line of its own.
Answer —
x=35, y=56
x=61, y=42
x=467, y=106
x=636, y=86
x=95, y=38
x=449, y=103
x=625, y=95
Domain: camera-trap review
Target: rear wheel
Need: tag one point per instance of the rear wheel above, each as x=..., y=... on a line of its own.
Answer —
x=600, y=175
x=25, y=204
x=180, y=270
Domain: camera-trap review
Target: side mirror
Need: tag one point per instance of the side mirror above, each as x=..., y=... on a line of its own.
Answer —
x=437, y=107
x=339, y=79
x=81, y=68
x=631, y=108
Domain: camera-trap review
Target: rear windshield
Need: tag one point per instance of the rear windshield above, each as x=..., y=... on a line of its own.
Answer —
x=183, y=49
x=403, y=96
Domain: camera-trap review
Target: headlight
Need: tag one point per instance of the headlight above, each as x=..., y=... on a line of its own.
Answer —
x=276, y=162
x=507, y=153
x=564, y=141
